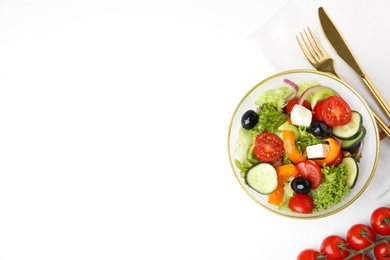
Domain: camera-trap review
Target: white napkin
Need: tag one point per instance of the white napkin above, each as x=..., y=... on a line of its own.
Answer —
x=364, y=25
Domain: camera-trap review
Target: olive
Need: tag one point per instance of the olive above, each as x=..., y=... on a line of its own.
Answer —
x=249, y=119
x=320, y=129
x=301, y=185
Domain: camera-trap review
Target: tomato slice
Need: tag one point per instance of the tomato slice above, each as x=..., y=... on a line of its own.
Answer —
x=311, y=171
x=268, y=147
x=335, y=111
x=293, y=102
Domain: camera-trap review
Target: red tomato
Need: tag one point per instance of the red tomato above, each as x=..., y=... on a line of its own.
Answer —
x=360, y=257
x=301, y=203
x=293, y=102
x=311, y=171
x=317, y=111
x=380, y=221
x=268, y=147
x=334, y=247
x=335, y=111
x=308, y=254
x=338, y=159
x=360, y=236
x=382, y=251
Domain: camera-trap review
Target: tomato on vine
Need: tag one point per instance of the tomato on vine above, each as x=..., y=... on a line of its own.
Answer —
x=380, y=221
x=335, y=247
x=360, y=236
x=382, y=251
x=308, y=254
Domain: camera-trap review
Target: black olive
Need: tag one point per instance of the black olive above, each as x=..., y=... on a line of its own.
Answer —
x=353, y=148
x=249, y=119
x=301, y=185
x=320, y=129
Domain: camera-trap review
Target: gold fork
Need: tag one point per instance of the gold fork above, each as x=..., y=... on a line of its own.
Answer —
x=321, y=61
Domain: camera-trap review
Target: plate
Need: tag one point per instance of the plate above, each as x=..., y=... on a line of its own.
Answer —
x=367, y=164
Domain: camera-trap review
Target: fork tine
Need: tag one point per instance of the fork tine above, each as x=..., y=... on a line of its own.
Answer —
x=315, y=43
x=306, y=50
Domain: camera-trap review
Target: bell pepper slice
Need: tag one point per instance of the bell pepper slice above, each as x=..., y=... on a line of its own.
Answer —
x=289, y=147
x=334, y=150
x=284, y=173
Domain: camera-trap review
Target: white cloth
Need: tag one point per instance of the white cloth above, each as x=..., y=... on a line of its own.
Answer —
x=363, y=24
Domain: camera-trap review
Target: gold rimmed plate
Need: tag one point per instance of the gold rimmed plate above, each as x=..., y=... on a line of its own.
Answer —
x=370, y=154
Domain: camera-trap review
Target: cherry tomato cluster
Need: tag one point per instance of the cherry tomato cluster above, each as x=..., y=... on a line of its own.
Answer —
x=360, y=241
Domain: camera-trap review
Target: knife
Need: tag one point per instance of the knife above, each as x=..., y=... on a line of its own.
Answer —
x=341, y=47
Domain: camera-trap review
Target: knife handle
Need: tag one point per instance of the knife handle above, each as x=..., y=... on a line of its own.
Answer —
x=381, y=124
x=377, y=96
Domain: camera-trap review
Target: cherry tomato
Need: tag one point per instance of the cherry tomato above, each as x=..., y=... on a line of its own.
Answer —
x=360, y=236
x=311, y=171
x=335, y=111
x=381, y=251
x=301, y=203
x=308, y=254
x=360, y=257
x=268, y=147
x=293, y=102
x=317, y=111
x=380, y=221
x=338, y=159
x=334, y=247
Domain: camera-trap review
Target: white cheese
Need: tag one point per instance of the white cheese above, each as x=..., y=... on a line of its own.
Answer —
x=301, y=116
x=317, y=151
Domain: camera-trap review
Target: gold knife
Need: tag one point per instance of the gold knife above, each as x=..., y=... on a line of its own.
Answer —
x=341, y=47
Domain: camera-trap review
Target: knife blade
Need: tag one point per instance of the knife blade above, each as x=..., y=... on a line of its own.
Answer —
x=337, y=41
x=342, y=49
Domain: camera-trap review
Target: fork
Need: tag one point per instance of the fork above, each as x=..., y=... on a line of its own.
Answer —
x=321, y=61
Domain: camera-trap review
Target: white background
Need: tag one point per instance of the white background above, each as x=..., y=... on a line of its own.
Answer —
x=113, y=133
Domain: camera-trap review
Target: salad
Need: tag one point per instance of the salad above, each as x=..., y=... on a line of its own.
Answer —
x=301, y=147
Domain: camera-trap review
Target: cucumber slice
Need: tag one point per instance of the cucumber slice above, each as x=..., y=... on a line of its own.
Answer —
x=346, y=144
x=352, y=170
x=351, y=130
x=321, y=94
x=262, y=178
x=287, y=126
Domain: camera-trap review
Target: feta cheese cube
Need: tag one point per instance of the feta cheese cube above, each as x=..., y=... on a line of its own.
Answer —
x=317, y=151
x=301, y=116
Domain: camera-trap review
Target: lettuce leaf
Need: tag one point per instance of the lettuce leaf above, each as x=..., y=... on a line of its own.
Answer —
x=332, y=189
x=275, y=97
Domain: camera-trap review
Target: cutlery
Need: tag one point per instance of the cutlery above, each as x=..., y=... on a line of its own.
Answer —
x=341, y=47
x=321, y=61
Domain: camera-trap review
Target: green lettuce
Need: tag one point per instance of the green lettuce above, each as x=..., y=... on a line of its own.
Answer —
x=275, y=97
x=306, y=138
x=332, y=189
x=270, y=118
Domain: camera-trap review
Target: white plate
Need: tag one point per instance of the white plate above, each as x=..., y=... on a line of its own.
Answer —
x=368, y=163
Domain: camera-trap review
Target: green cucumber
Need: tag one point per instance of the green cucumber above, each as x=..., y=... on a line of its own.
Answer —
x=351, y=130
x=320, y=95
x=352, y=170
x=262, y=178
x=287, y=126
x=346, y=144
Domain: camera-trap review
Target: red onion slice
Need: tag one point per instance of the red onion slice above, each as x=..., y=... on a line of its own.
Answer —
x=307, y=92
x=294, y=87
x=360, y=150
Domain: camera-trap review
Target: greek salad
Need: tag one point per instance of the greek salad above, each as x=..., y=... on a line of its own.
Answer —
x=301, y=147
